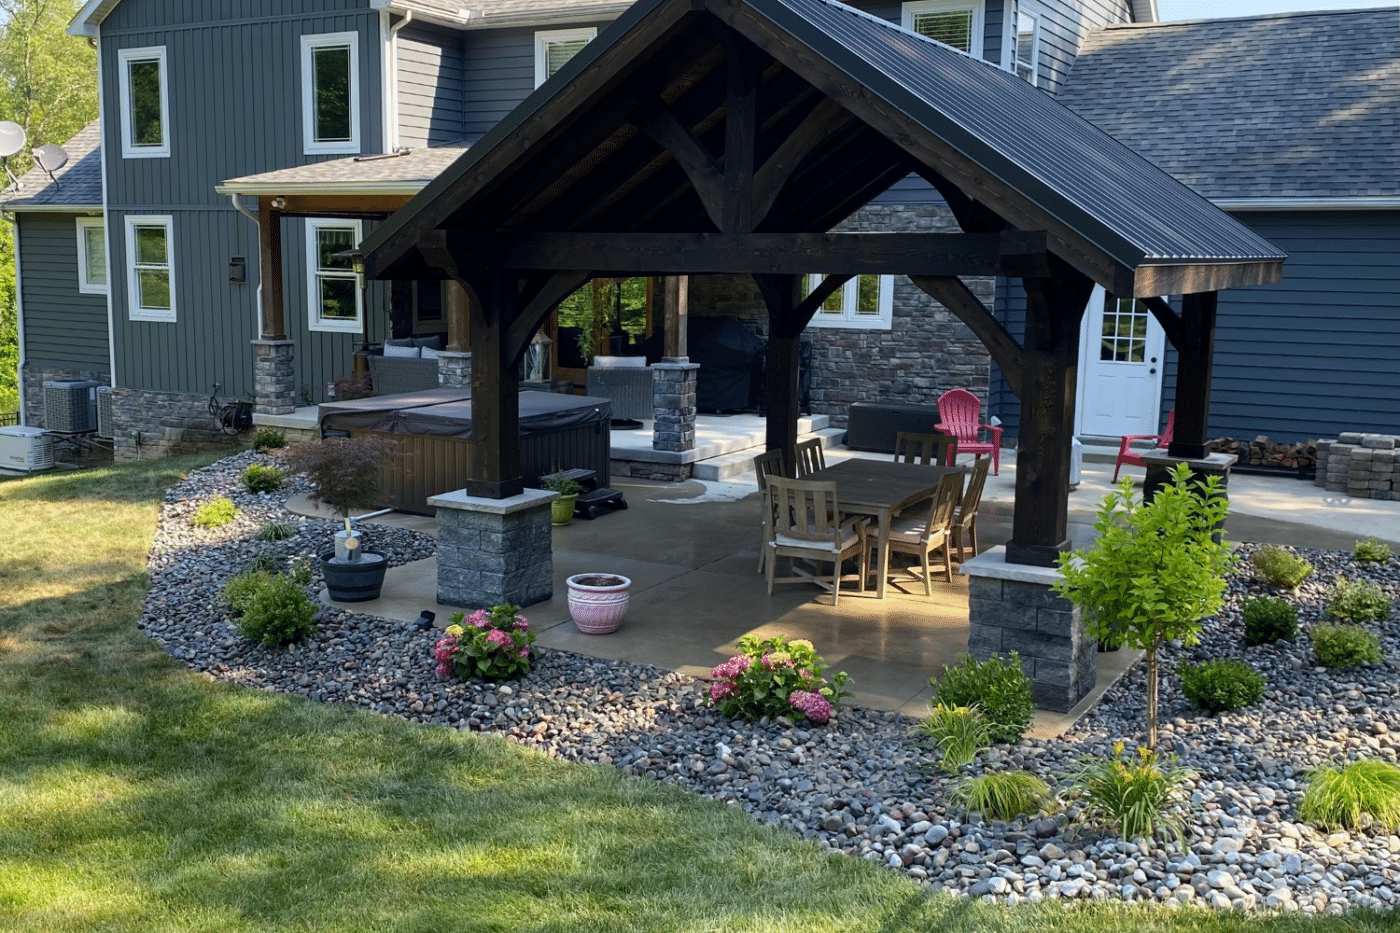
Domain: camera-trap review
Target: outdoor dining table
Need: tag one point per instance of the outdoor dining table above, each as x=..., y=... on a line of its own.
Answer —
x=880, y=489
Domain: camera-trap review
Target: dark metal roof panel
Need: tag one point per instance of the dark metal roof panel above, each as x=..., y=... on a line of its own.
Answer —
x=1096, y=185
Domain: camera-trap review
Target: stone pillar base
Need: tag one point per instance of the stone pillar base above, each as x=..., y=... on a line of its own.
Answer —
x=454, y=369
x=493, y=551
x=673, y=398
x=1159, y=465
x=274, y=377
x=1012, y=608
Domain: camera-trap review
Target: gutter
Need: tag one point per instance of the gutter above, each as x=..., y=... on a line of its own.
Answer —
x=1307, y=204
x=391, y=77
x=257, y=225
x=13, y=221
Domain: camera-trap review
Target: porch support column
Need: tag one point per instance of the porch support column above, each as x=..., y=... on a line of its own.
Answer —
x=782, y=294
x=1195, y=356
x=675, y=305
x=1054, y=307
x=274, y=356
x=495, y=467
x=455, y=363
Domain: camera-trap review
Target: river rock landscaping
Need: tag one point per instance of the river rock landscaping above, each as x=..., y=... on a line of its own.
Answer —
x=860, y=785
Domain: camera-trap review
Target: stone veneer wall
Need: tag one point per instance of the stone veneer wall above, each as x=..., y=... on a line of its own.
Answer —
x=1364, y=466
x=1044, y=629
x=34, y=379
x=165, y=424
x=926, y=352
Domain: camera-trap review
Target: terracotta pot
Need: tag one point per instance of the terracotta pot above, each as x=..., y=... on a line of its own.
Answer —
x=598, y=601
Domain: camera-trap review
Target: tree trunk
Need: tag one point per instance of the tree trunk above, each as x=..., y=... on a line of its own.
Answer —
x=1152, y=694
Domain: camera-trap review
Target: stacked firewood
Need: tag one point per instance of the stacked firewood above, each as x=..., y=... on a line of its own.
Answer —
x=1264, y=452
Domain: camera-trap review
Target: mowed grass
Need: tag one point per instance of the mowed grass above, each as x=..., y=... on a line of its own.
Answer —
x=136, y=796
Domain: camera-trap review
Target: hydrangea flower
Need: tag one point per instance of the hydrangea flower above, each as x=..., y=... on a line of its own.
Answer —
x=812, y=705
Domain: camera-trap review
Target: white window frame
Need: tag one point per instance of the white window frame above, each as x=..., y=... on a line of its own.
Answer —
x=125, y=58
x=545, y=38
x=978, y=9
x=135, y=310
x=85, y=226
x=1034, y=63
x=309, y=45
x=847, y=316
x=314, y=275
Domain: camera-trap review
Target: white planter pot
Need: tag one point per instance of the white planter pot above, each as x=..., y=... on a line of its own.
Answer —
x=598, y=601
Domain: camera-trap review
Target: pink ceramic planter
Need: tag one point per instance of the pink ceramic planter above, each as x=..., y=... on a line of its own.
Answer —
x=598, y=609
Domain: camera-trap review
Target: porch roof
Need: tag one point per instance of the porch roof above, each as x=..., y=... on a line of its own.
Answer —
x=573, y=156
x=401, y=173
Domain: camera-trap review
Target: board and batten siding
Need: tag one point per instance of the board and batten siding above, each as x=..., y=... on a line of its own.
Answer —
x=1064, y=25
x=429, y=77
x=63, y=327
x=233, y=69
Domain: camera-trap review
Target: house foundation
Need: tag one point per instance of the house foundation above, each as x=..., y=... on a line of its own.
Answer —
x=148, y=425
x=493, y=551
x=1011, y=607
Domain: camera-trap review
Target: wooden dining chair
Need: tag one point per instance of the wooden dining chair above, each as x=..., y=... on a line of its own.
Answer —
x=810, y=457
x=965, y=515
x=930, y=534
x=807, y=525
x=769, y=463
x=939, y=449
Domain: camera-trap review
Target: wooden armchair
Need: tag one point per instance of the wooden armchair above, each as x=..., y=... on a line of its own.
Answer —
x=808, y=526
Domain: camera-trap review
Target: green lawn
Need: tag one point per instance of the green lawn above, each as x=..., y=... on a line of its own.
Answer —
x=137, y=796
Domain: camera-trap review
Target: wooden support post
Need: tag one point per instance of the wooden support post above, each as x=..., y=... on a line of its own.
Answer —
x=782, y=294
x=273, y=325
x=458, y=317
x=1196, y=355
x=495, y=392
x=1054, y=308
x=675, y=304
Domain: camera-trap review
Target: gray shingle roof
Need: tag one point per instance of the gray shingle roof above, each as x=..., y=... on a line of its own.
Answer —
x=485, y=13
x=1301, y=105
x=406, y=173
x=79, y=182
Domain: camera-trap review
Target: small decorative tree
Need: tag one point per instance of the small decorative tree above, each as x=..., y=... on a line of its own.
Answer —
x=1155, y=572
x=345, y=471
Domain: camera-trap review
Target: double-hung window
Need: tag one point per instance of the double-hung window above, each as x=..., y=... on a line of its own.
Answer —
x=145, y=103
x=151, y=259
x=92, y=256
x=865, y=302
x=335, y=298
x=1027, y=47
x=330, y=93
x=958, y=23
x=555, y=47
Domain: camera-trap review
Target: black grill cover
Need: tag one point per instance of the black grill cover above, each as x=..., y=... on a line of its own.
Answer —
x=726, y=350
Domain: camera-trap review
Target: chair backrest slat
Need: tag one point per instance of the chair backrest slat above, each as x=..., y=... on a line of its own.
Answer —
x=810, y=457
x=805, y=510
x=941, y=513
x=972, y=497
x=769, y=463
x=940, y=449
x=960, y=410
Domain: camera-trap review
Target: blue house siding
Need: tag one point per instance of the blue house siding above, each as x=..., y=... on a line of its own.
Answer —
x=429, y=77
x=63, y=328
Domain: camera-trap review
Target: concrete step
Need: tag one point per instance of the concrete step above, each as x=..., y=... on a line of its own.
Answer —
x=731, y=466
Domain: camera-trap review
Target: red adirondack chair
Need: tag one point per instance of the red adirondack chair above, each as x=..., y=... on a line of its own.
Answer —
x=1125, y=451
x=959, y=411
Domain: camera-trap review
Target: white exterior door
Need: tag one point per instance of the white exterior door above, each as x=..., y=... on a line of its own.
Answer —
x=1120, y=368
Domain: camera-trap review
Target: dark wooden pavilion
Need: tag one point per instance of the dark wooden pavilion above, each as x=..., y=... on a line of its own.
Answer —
x=728, y=136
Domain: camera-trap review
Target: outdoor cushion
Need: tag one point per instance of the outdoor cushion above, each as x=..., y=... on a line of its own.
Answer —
x=848, y=539
x=400, y=342
x=434, y=341
x=428, y=353
x=620, y=362
x=394, y=350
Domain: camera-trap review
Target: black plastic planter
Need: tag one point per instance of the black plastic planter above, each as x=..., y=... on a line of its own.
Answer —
x=354, y=581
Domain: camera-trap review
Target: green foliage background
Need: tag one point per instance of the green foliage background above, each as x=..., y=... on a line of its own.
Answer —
x=48, y=85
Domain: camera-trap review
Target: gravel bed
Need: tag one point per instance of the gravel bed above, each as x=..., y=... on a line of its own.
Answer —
x=859, y=785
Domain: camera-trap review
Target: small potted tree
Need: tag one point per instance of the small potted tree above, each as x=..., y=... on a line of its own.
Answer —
x=346, y=472
x=561, y=510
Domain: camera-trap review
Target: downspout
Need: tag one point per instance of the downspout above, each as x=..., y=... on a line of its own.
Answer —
x=13, y=221
x=391, y=73
x=257, y=225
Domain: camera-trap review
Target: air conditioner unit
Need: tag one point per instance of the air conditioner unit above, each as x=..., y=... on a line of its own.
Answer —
x=70, y=407
x=25, y=449
x=104, y=412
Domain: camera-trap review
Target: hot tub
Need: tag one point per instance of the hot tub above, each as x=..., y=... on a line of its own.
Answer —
x=432, y=429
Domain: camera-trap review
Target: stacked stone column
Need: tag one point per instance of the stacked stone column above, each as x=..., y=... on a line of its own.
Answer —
x=673, y=397
x=274, y=377
x=454, y=368
x=493, y=551
x=1364, y=466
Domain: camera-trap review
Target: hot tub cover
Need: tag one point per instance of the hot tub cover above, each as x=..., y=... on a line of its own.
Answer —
x=447, y=412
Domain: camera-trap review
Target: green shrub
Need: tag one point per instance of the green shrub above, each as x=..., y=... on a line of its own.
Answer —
x=239, y=591
x=1003, y=795
x=1266, y=620
x=1357, y=601
x=260, y=478
x=1337, y=798
x=1371, y=551
x=1221, y=685
x=215, y=512
x=301, y=572
x=1345, y=645
x=996, y=686
x=277, y=531
x=268, y=439
x=267, y=563
x=1134, y=794
x=278, y=613
x=960, y=731
x=1279, y=567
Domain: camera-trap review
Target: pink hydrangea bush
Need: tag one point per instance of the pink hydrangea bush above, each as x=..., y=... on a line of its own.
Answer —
x=776, y=677
x=494, y=644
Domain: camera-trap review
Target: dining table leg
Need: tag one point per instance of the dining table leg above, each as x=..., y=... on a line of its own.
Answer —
x=882, y=544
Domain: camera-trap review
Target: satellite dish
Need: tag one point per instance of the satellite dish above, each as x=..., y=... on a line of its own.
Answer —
x=12, y=138
x=51, y=158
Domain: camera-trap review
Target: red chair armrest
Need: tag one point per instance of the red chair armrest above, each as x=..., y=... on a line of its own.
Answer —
x=995, y=432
